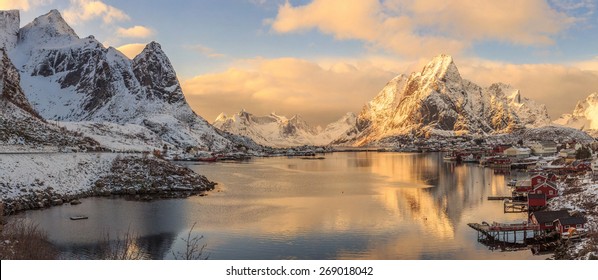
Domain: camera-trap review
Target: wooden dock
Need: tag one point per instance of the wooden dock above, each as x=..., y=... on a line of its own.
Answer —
x=499, y=197
x=515, y=206
x=500, y=232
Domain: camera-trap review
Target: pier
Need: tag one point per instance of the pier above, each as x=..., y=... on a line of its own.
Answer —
x=502, y=233
x=515, y=206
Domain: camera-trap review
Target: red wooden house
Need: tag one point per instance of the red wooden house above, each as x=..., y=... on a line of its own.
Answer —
x=563, y=225
x=546, y=219
x=536, y=201
x=546, y=187
x=523, y=186
x=537, y=179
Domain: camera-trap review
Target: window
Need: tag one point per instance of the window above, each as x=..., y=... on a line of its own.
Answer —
x=539, y=191
x=550, y=192
x=567, y=227
x=579, y=226
x=547, y=224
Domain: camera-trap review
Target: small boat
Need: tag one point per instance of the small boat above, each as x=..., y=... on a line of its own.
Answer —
x=79, y=217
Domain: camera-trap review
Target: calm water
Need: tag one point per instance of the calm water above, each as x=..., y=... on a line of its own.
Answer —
x=348, y=206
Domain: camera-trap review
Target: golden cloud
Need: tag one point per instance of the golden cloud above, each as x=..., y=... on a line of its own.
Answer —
x=131, y=50
x=427, y=27
x=559, y=87
x=85, y=10
x=136, y=31
x=288, y=86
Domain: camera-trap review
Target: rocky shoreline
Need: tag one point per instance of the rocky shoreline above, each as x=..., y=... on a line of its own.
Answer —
x=131, y=177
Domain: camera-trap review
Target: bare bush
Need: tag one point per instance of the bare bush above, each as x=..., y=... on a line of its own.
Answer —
x=20, y=240
x=193, y=248
x=125, y=247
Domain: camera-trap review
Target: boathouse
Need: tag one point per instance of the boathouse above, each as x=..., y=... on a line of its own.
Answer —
x=546, y=219
x=546, y=187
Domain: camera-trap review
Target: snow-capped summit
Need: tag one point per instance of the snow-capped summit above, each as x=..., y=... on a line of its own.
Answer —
x=156, y=74
x=438, y=100
x=103, y=94
x=47, y=28
x=279, y=131
x=441, y=67
x=9, y=29
x=584, y=116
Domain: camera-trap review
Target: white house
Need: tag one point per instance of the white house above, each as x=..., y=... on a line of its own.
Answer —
x=517, y=152
x=543, y=148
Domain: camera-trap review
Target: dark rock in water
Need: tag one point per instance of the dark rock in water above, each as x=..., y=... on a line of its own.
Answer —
x=75, y=202
x=56, y=202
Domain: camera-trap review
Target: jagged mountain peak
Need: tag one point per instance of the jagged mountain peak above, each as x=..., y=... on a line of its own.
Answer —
x=279, y=131
x=438, y=100
x=49, y=26
x=440, y=67
x=155, y=72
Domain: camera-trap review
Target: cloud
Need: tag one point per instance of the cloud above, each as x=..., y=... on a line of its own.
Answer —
x=131, y=50
x=426, y=27
x=85, y=10
x=209, y=52
x=559, y=87
x=24, y=5
x=288, y=86
x=136, y=31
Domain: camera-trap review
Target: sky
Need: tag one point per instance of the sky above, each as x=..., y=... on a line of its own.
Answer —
x=324, y=58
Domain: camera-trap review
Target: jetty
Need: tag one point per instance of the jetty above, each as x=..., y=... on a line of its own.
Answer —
x=501, y=232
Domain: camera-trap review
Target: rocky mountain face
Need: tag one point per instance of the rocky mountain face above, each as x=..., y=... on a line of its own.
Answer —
x=83, y=84
x=584, y=116
x=278, y=131
x=20, y=124
x=9, y=29
x=438, y=101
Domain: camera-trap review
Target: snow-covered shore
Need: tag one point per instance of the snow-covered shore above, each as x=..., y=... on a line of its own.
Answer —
x=582, y=198
x=30, y=181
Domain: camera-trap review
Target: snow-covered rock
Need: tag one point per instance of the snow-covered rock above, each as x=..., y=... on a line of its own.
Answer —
x=72, y=79
x=279, y=131
x=20, y=125
x=584, y=116
x=439, y=100
x=9, y=29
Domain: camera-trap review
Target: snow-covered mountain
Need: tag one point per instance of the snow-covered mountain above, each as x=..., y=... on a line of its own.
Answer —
x=20, y=125
x=80, y=82
x=438, y=100
x=584, y=116
x=278, y=131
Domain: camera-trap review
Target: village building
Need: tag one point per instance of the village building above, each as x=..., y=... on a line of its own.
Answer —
x=543, y=148
x=563, y=225
x=545, y=219
x=536, y=201
x=547, y=187
x=517, y=152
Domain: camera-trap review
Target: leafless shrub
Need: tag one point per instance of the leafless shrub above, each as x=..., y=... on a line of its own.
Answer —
x=20, y=240
x=125, y=247
x=193, y=248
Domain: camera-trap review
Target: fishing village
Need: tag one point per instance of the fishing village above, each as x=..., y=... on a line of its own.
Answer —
x=554, y=184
